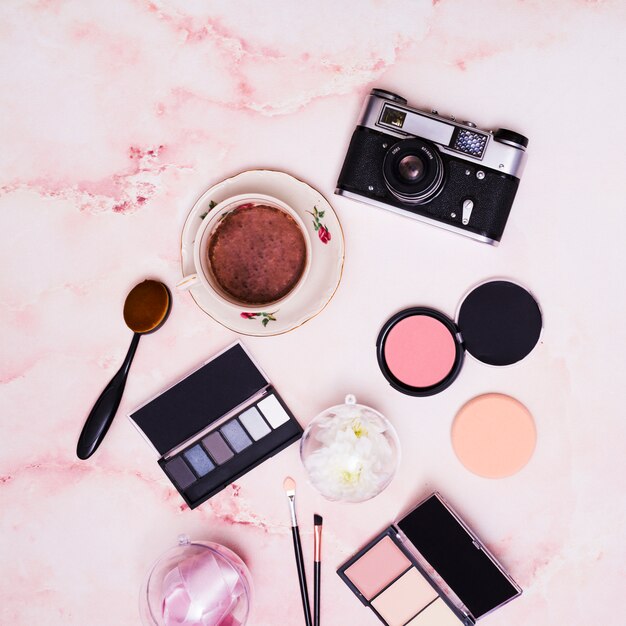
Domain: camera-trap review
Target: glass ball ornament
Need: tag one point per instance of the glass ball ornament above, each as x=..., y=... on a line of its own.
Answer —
x=196, y=584
x=350, y=452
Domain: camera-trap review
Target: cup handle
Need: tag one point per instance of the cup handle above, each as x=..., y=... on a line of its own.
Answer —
x=187, y=282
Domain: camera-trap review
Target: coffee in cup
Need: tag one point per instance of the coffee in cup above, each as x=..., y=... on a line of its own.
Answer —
x=257, y=253
x=252, y=250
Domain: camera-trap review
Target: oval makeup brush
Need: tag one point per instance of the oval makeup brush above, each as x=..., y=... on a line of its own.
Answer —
x=145, y=310
x=289, y=485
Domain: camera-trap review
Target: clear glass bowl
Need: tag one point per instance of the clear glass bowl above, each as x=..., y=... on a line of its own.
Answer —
x=350, y=452
x=196, y=584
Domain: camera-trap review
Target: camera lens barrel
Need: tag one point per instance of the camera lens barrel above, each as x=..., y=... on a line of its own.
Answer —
x=413, y=171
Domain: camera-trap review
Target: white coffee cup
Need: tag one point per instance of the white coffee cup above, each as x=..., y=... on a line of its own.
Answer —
x=203, y=274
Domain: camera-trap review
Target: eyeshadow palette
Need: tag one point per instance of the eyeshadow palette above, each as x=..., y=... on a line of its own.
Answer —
x=420, y=350
x=216, y=424
x=428, y=569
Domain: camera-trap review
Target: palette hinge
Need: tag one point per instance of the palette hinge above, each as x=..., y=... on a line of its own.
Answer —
x=220, y=420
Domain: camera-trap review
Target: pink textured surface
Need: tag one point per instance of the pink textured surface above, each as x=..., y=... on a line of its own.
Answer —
x=420, y=351
x=115, y=116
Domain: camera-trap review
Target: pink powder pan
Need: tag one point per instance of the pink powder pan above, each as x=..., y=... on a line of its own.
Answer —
x=419, y=352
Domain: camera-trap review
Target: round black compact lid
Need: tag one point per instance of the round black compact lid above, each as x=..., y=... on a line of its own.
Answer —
x=500, y=322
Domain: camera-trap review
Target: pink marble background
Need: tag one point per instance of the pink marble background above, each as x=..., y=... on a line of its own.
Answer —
x=115, y=116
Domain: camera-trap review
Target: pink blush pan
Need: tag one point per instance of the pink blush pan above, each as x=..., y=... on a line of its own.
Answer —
x=420, y=351
x=377, y=568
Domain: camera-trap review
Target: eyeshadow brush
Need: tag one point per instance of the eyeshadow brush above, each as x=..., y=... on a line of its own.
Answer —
x=289, y=485
x=317, y=567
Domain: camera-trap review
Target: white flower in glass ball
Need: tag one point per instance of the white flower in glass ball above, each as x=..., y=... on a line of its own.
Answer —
x=350, y=452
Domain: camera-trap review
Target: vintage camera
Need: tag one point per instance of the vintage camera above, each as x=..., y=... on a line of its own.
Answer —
x=432, y=168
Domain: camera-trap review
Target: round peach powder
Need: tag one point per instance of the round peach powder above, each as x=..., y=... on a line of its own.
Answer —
x=494, y=435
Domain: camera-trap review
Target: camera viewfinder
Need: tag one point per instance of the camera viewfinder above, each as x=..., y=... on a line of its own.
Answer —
x=393, y=117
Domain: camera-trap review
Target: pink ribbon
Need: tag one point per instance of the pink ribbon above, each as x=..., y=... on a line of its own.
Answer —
x=201, y=591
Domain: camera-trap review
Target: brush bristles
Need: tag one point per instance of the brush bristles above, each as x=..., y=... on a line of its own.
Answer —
x=317, y=519
x=289, y=485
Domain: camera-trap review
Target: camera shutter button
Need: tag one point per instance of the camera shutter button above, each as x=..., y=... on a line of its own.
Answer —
x=468, y=206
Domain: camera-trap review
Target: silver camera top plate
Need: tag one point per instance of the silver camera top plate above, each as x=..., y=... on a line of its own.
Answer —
x=462, y=140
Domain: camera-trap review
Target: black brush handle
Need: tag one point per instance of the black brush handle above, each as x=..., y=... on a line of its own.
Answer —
x=105, y=408
x=317, y=580
x=297, y=548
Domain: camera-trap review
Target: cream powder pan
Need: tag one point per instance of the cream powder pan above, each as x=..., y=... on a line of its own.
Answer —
x=404, y=599
x=435, y=614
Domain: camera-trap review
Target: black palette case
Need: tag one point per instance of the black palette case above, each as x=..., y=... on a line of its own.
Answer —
x=216, y=424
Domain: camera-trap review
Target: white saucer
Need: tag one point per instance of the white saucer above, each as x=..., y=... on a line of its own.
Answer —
x=326, y=254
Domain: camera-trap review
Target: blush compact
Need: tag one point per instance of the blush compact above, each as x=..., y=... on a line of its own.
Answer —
x=421, y=351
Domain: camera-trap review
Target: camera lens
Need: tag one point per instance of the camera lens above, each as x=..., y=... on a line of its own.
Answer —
x=411, y=168
x=413, y=171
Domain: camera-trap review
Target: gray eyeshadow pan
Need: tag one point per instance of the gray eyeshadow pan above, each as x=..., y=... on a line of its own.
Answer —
x=236, y=435
x=180, y=472
x=221, y=445
x=217, y=448
x=199, y=460
x=254, y=423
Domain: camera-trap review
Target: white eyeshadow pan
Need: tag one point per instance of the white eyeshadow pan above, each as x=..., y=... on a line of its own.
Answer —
x=438, y=613
x=254, y=423
x=273, y=411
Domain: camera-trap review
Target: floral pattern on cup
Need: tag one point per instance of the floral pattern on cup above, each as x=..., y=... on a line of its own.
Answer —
x=212, y=205
x=265, y=318
x=322, y=232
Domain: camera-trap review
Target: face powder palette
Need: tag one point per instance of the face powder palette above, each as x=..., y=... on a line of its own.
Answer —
x=216, y=424
x=420, y=350
x=428, y=569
